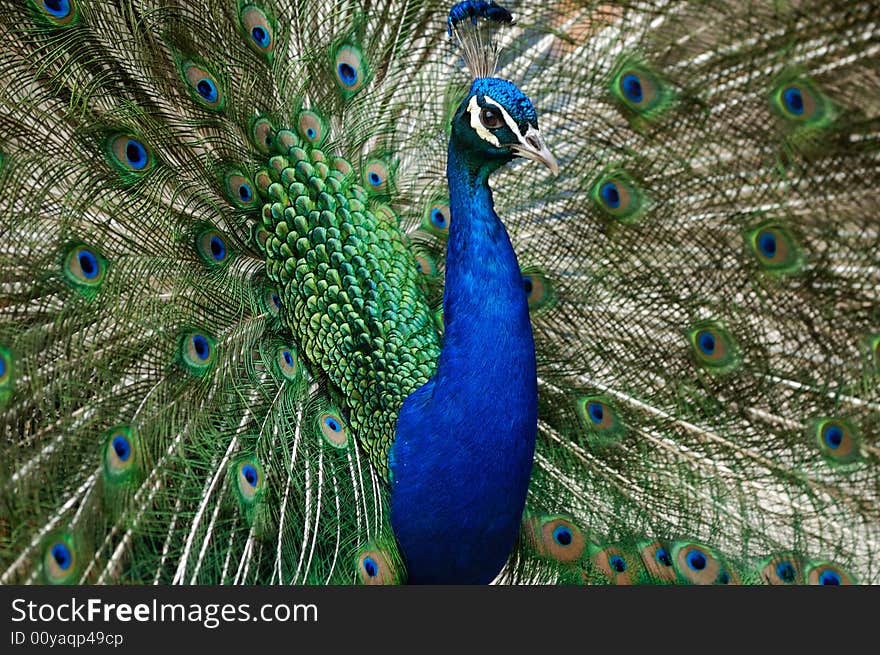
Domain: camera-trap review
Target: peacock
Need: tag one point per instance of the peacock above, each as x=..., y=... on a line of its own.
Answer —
x=388, y=291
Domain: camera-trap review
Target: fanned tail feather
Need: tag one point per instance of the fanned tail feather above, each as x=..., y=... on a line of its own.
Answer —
x=706, y=276
x=702, y=276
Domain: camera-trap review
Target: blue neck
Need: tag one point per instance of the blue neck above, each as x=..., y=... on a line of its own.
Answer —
x=462, y=456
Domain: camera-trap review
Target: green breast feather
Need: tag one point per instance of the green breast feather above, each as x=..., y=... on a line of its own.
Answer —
x=351, y=289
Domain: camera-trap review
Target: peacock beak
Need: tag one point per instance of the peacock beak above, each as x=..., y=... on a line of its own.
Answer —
x=532, y=146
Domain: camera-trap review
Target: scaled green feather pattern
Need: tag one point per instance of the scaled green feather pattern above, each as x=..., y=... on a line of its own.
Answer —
x=352, y=289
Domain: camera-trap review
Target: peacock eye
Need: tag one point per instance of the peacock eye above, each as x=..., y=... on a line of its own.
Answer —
x=491, y=118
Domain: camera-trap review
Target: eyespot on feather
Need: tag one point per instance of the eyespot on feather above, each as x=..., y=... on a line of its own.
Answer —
x=783, y=569
x=286, y=144
x=556, y=537
x=121, y=453
x=714, y=348
x=333, y=429
x=5, y=367
x=264, y=181
x=617, y=196
x=311, y=126
x=287, y=362
x=600, y=419
x=598, y=414
x=60, y=560
x=637, y=89
x=84, y=267
x=436, y=218
x=203, y=86
x=128, y=155
x=60, y=12
x=775, y=249
x=838, y=440
x=800, y=102
x=240, y=190
x=271, y=301
x=197, y=352
x=657, y=560
x=249, y=480
x=828, y=573
x=350, y=69
x=539, y=290
x=698, y=564
x=262, y=134
x=258, y=29
x=375, y=567
x=211, y=246
x=616, y=564
x=425, y=265
x=640, y=90
x=7, y=375
x=375, y=176
x=260, y=238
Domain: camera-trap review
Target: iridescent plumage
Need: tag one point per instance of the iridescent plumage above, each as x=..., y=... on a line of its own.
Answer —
x=225, y=235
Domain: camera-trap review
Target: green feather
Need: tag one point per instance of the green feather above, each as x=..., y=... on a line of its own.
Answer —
x=213, y=308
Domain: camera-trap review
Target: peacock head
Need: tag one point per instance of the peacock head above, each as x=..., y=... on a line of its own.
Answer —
x=497, y=122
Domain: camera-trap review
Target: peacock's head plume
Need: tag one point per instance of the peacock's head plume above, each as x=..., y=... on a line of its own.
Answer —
x=497, y=122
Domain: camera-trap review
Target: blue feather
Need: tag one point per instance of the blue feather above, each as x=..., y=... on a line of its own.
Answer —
x=475, y=9
x=462, y=457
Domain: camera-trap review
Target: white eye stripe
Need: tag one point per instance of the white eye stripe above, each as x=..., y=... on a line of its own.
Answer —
x=474, y=109
x=507, y=117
